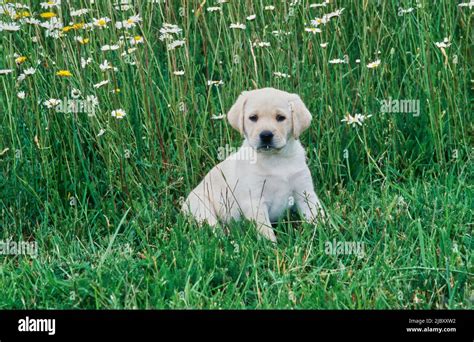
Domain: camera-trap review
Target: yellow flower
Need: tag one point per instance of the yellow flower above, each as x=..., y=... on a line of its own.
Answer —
x=48, y=15
x=78, y=26
x=82, y=41
x=20, y=59
x=23, y=14
x=73, y=27
x=64, y=73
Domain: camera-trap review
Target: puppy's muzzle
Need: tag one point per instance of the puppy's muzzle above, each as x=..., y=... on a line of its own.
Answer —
x=266, y=139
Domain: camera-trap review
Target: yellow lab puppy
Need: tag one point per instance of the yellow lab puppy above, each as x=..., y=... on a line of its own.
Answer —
x=260, y=189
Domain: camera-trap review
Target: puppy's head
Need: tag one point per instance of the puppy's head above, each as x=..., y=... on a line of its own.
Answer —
x=269, y=117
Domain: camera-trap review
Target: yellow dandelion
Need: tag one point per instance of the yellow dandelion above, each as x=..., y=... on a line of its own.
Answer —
x=78, y=26
x=48, y=15
x=67, y=28
x=64, y=73
x=20, y=59
x=23, y=14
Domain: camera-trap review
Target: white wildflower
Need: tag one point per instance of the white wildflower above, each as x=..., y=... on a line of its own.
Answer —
x=118, y=113
x=238, y=26
x=374, y=64
x=51, y=103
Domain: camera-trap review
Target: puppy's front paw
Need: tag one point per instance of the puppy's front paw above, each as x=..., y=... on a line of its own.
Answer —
x=267, y=233
x=315, y=214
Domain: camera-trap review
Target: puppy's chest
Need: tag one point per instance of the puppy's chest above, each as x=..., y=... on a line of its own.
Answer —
x=277, y=192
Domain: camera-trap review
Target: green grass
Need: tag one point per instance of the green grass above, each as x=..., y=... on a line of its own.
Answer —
x=405, y=189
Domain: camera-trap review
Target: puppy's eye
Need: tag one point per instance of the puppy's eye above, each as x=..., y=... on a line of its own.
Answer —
x=253, y=117
x=280, y=118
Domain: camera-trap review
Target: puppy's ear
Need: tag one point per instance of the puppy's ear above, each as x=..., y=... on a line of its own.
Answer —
x=236, y=113
x=300, y=115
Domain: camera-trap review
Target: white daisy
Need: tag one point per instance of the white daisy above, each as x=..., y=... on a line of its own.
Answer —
x=175, y=44
x=101, y=22
x=105, y=65
x=129, y=23
x=29, y=71
x=237, y=26
x=313, y=30
x=261, y=44
x=136, y=40
x=402, y=11
x=214, y=9
x=374, y=64
x=9, y=26
x=79, y=12
x=85, y=62
x=109, y=47
x=467, y=4
x=100, y=84
x=281, y=74
x=93, y=100
x=215, y=83
x=50, y=4
x=218, y=117
x=324, y=4
x=118, y=113
x=444, y=44
x=51, y=103
x=337, y=61
x=170, y=29
x=357, y=119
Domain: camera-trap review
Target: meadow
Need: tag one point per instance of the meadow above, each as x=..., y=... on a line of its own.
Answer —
x=110, y=113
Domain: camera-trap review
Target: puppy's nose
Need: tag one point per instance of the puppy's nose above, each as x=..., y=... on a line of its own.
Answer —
x=266, y=136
